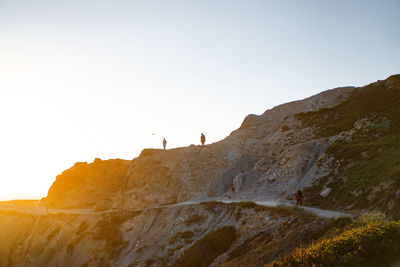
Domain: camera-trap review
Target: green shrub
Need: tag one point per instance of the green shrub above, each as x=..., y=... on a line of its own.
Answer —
x=372, y=216
x=374, y=244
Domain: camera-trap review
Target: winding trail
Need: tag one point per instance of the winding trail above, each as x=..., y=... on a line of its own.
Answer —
x=272, y=203
x=38, y=210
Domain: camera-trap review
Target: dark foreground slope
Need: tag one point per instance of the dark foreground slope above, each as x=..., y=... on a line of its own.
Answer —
x=198, y=235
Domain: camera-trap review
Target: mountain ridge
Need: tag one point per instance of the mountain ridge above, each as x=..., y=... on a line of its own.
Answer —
x=270, y=156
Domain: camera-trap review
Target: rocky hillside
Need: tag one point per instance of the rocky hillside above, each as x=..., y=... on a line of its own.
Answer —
x=340, y=146
x=212, y=234
x=87, y=185
x=364, y=152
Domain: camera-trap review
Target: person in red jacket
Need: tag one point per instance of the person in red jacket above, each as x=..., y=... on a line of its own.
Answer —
x=299, y=197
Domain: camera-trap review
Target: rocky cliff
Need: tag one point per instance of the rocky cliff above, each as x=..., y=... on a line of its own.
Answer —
x=342, y=147
x=269, y=157
x=87, y=185
x=266, y=148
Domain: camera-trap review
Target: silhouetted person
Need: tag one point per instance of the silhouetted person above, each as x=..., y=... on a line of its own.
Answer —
x=299, y=197
x=203, y=139
x=164, y=142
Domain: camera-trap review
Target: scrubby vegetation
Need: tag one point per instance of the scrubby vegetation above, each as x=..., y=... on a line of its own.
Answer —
x=376, y=100
x=370, y=242
x=368, y=159
x=206, y=249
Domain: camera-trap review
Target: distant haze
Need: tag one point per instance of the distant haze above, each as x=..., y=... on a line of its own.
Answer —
x=86, y=79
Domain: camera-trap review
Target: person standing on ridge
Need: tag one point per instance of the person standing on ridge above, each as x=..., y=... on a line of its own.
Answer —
x=299, y=197
x=164, y=142
x=202, y=139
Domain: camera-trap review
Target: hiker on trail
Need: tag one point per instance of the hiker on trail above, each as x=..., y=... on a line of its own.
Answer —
x=299, y=197
x=202, y=139
x=164, y=142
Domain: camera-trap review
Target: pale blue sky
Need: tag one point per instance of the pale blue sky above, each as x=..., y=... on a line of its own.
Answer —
x=86, y=79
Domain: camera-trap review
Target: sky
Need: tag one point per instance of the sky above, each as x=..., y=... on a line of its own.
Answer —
x=85, y=79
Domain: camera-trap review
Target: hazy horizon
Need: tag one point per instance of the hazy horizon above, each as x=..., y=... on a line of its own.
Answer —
x=93, y=79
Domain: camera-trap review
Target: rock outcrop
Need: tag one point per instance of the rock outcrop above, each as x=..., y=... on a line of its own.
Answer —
x=270, y=153
x=87, y=185
x=269, y=157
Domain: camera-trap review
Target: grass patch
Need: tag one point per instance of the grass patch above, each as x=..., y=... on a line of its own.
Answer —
x=374, y=244
x=376, y=100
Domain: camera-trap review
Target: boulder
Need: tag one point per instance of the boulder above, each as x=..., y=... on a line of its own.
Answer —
x=237, y=182
x=325, y=192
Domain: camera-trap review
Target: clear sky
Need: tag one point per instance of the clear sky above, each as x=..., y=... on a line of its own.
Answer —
x=84, y=79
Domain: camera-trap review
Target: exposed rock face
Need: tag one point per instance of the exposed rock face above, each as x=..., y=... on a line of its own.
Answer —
x=85, y=185
x=325, y=192
x=237, y=182
x=269, y=157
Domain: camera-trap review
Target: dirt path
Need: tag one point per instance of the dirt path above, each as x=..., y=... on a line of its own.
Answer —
x=34, y=210
x=319, y=212
x=42, y=210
